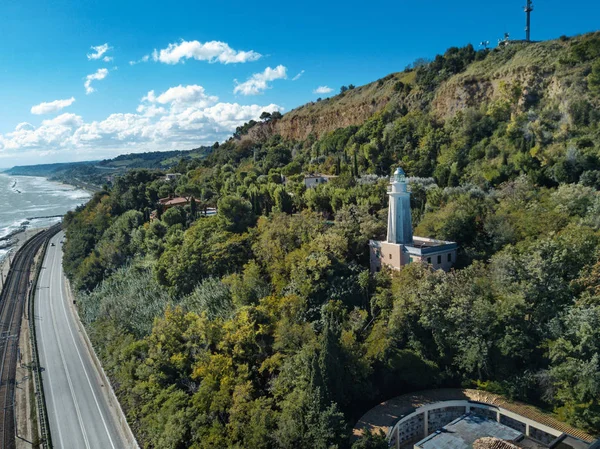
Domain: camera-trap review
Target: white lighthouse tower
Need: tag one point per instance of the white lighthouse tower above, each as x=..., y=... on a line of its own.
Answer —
x=401, y=247
x=399, y=216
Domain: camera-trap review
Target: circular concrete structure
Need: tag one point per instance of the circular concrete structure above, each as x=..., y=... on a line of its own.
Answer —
x=412, y=418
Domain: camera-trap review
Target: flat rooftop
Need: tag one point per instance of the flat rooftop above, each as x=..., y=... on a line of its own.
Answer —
x=424, y=246
x=464, y=431
x=428, y=243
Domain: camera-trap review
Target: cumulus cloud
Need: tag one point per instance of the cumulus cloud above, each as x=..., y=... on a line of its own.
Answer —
x=158, y=128
x=259, y=82
x=178, y=118
x=182, y=96
x=298, y=76
x=323, y=90
x=213, y=51
x=51, y=133
x=99, y=75
x=150, y=110
x=99, y=51
x=52, y=106
x=67, y=119
x=24, y=126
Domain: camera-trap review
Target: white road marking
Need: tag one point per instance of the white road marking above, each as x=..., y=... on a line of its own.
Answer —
x=51, y=390
x=62, y=284
x=69, y=381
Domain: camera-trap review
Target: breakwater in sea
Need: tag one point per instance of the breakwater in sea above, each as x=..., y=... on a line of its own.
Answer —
x=28, y=202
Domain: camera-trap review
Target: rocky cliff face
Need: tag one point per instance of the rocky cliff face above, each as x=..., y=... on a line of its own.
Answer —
x=533, y=70
x=300, y=126
x=353, y=107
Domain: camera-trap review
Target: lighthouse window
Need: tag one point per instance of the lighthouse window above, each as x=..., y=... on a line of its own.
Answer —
x=429, y=260
x=390, y=257
x=450, y=257
x=440, y=259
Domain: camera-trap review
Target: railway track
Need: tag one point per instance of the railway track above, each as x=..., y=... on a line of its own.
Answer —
x=12, y=305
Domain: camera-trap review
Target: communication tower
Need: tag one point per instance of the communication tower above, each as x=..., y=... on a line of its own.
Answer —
x=528, y=10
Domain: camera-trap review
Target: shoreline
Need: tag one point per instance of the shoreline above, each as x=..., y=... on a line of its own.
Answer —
x=7, y=241
x=16, y=238
x=24, y=228
x=84, y=187
x=88, y=188
x=17, y=241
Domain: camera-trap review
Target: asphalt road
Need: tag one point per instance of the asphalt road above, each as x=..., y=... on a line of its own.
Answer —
x=79, y=414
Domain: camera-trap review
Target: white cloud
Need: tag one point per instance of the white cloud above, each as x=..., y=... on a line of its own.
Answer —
x=213, y=51
x=181, y=117
x=151, y=110
x=107, y=58
x=99, y=51
x=145, y=58
x=52, y=106
x=24, y=126
x=99, y=75
x=51, y=133
x=323, y=90
x=259, y=82
x=181, y=96
x=67, y=119
x=162, y=128
x=297, y=77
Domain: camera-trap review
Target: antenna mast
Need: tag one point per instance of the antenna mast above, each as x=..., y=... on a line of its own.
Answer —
x=528, y=10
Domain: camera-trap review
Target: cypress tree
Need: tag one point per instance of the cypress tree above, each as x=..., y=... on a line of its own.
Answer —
x=331, y=362
x=193, y=208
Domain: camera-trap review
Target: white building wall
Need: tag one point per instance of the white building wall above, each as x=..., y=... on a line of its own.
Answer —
x=396, y=433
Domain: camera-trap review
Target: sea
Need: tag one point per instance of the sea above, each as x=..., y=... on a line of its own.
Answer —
x=28, y=202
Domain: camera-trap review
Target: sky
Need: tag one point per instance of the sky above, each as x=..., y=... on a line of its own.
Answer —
x=87, y=80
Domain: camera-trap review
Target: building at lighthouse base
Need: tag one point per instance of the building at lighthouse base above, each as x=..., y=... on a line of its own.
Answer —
x=441, y=255
x=401, y=247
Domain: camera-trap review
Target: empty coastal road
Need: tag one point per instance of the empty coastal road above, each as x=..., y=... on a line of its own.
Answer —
x=80, y=415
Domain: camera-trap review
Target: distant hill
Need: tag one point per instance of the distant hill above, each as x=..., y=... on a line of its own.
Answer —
x=95, y=173
x=44, y=170
x=153, y=160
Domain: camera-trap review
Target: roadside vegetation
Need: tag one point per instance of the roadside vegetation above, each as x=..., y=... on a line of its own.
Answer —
x=261, y=326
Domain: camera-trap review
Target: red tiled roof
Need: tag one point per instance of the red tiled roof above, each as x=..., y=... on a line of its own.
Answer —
x=179, y=201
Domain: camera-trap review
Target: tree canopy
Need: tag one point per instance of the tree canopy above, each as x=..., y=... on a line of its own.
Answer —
x=261, y=326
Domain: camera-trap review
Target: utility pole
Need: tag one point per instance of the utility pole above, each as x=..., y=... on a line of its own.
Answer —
x=528, y=10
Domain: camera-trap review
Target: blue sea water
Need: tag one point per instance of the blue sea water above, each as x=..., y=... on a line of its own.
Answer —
x=26, y=200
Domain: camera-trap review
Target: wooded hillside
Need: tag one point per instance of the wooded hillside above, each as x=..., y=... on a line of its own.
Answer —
x=261, y=327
